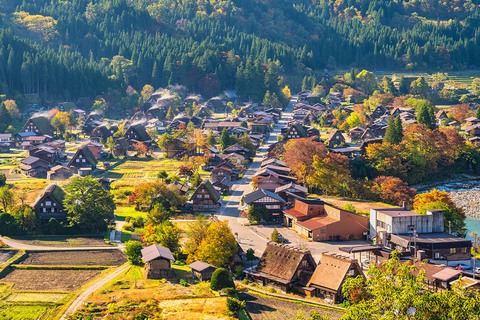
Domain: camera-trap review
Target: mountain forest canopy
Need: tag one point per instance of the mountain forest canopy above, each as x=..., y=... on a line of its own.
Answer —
x=74, y=48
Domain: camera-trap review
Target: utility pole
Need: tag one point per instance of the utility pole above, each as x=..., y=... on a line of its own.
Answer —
x=474, y=234
x=450, y=227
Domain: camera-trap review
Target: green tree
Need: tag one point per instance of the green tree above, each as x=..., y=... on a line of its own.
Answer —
x=165, y=234
x=403, y=85
x=426, y=116
x=398, y=129
x=366, y=81
x=196, y=232
x=391, y=132
x=275, y=236
x=388, y=86
x=476, y=86
x=3, y=179
x=224, y=139
x=158, y=214
x=5, y=118
x=211, y=140
x=88, y=205
x=196, y=180
x=419, y=87
x=133, y=251
x=162, y=174
x=26, y=218
x=7, y=199
x=234, y=306
x=477, y=115
x=250, y=255
x=221, y=278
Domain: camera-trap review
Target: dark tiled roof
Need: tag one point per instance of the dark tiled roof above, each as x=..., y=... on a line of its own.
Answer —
x=260, y=193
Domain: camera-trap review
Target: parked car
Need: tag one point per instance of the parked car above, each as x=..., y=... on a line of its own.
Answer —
x=477, y=270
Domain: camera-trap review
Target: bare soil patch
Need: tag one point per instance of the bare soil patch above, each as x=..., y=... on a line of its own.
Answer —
x=64, y=242
x=49, y=280
x=5, y=255
x=76, y=258
x=263, y=308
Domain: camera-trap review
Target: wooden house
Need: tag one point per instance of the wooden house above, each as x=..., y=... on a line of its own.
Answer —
x=225, y=170
x=59, y=172
x=121, y=147
x=201, y=270
x=205, y=197
x=291, y=191
x=356, y=133
x=295, y=131
x=92, y=121
x=236, y=148
x=101, y=133
x=83, y=159
x=137, y=133
x=34, y=167
x=330, y=274
x=282, y=267
x=441, y=116
x=39, y=125
x=216, y=105
x=367, y=135
x=156, y=112
x=157, y=262
x=472, y=121
x=335, y=138
x=50, y=203
x=45, y=153
x=273, y=202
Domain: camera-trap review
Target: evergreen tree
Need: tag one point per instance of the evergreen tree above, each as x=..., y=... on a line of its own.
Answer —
x=477, y=113
x=398, y=130
x=388, y=86
x=275, y=236
x=425, y=117
x=5, y=118
x=390, y=133
x=224, y=139
x=403, y=86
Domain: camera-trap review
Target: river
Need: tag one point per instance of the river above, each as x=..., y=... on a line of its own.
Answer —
x=472, y=224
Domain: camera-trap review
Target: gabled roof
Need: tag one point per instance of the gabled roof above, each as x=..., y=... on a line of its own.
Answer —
x=211, y=190
x=140, y=130
x=200, y=266
x=236, y=148
x=331, y=271
x=291, y=185
x=86, y=153
x=155, y=251
x=273, y=161
x=333, y=133
x=42, y=124
x=280, y=262
x=446, y=274
x=261, y=193
x=52, y=190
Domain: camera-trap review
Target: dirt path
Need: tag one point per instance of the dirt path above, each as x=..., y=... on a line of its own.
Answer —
x=22, y=246
x=80, y=300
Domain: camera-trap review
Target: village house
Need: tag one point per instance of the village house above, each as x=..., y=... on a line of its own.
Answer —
x=39, y=125
x=216, y=105
x=282, y=267
x=45, y=153
x=157, y=262
x=50, y=203
x=404, y=230
x=137, y=133
x=356, y=133
x=329, y=276
x=295, y=131
x=22, y=137
x=59, y=172
x=472, y=121
x=205, y=197
x=291, y=191
x=83, y=161
x=225, y=170
x=92, y=121
x=335, y=138
x=273, y=202
x=34, y=167
x=101, y=133
x=320, y=221
x=441, y=116
x=270, y=180
x=201, y=270
x=6, y=138
x=120, y=148
x=236, y=148
x=219, y=126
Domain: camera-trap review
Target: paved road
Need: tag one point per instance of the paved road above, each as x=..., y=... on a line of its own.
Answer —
x=256, y=237
x=80, y=300
x=22, y=246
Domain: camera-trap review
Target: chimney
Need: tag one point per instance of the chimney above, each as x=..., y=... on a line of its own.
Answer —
x=420, y=255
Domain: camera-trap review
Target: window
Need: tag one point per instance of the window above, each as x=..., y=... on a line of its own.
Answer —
x=464, y=250
x=453, y=250
x=83, y=160
x=77, y=160
x=323, y=230
x=207, y=196
x=437, y=255
x=48, y=203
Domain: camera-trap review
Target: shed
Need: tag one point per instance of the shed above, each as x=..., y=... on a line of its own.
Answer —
x=157, y=262
x=202, y=270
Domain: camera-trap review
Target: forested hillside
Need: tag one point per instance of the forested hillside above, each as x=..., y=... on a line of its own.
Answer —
x=72, y=48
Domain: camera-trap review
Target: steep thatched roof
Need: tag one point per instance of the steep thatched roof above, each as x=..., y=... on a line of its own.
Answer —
x=43, y=125
x=280, y=262
x=52, y=190
x=331, y=272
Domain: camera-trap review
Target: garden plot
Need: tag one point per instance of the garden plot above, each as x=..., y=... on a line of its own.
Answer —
x=76, y=258
x=36, y=297
x=64, y=242
x=49, y=280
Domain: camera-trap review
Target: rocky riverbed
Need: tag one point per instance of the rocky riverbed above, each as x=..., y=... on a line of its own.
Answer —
x=469, y=201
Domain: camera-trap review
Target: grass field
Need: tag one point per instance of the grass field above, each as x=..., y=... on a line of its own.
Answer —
x=27, y=312
x=122, y=211
x=37, y=297
x=76, y=258
x=64, y=242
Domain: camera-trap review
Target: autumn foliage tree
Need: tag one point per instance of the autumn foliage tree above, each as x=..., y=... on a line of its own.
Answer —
x=454, y=217
x=392, y=190
x=299, y=155
x=147, y=194
x=140, y=148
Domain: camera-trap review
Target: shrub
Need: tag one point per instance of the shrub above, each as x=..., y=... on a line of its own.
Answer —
x=128, y=227
x=238, y=271
x=229, y=292
x=133, y=250
x=184, y=283
x=221, y=278
x=235, y=306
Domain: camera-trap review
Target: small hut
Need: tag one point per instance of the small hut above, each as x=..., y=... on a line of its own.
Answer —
x=157, y=262
x=202, y=270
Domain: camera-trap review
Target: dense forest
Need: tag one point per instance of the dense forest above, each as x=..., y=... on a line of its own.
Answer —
x=73, y=48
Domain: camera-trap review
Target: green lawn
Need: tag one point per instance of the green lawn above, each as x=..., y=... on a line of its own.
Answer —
x=123, y=212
